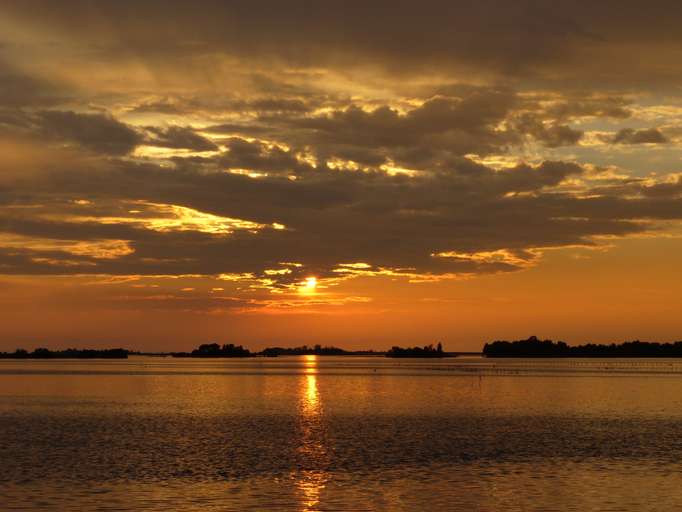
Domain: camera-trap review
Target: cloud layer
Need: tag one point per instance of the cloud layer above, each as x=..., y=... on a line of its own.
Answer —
x=260, y=145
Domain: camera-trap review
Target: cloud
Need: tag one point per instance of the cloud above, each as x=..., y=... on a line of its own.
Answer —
x=645, y=136
x=179, y=137
x=670, y=188
x=552, y=135
x=420, y=141
x=438, y=128
x=19, y=89
x=572, y=44
x=225, y=103
x=258, y=157
x=393, y=225
x=466, y=125
x=616, y=107
x=97, y=132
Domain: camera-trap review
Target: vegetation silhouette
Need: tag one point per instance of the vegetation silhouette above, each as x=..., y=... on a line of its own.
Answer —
x=215, y=350
x=69, y=353
x=304, y=350
x=426, y=351
x=231, y=350
x=533, y=347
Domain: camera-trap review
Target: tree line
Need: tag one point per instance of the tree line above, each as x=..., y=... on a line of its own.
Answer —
x=69, y=353
x=533, y=347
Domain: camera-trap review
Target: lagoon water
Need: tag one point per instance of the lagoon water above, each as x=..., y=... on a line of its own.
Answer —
x=341, y=433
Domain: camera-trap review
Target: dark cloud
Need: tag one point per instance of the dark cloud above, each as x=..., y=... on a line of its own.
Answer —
x=571, y=43
x=19, y=89
x=225, y=104
x=331, y=218
x=667, y=189
x=97, y=132
x=460, y=126
x=179, y=137
x=278, y=105
x=165, y=106
x=646, y=136
x=258, y=157
x=235, y=128
x=551, y=136
x=343, y=129
x=334, y=25
x=590, y=106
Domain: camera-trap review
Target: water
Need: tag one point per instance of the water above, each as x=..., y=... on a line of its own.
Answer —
x=341, y=433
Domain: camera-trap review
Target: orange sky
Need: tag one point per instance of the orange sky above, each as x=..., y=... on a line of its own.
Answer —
x=345, y=174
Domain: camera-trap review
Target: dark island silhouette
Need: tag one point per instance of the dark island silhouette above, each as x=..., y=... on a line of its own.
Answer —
x=69, y=353
x=426, y=351
x=533, y=347
x=215, y=350
x=305, y=350
x=231, y=350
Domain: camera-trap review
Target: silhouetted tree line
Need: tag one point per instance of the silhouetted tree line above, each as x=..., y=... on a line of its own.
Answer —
x=215, y=350
x=533, y=347
x=69, y=353
x=303, y=350
x=231, y=350
x=426, y=351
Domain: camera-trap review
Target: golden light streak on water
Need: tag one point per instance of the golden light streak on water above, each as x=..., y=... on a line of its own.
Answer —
x=312, y=477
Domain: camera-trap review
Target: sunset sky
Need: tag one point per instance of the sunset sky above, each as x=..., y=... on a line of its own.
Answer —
x=360, y=174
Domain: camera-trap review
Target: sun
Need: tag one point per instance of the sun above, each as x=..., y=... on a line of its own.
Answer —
x=308, y=286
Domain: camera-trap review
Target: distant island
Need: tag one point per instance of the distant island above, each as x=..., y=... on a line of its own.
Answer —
x=533, y=347
x=426, y=351
x=69, y=353
x=316, y=350
x=215, y=350
x=230, y=350
x=303, y=350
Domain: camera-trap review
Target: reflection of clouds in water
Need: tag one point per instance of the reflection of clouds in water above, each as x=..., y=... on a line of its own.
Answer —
x=311, y=477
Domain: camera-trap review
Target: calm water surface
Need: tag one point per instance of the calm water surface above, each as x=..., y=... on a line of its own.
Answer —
x=341, y=433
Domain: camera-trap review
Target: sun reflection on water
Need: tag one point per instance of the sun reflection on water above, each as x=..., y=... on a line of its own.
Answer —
x=310, y=365
x=312, y=396
x=313, y=457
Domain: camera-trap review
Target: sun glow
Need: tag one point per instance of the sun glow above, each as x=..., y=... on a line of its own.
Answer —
x=307, y=286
